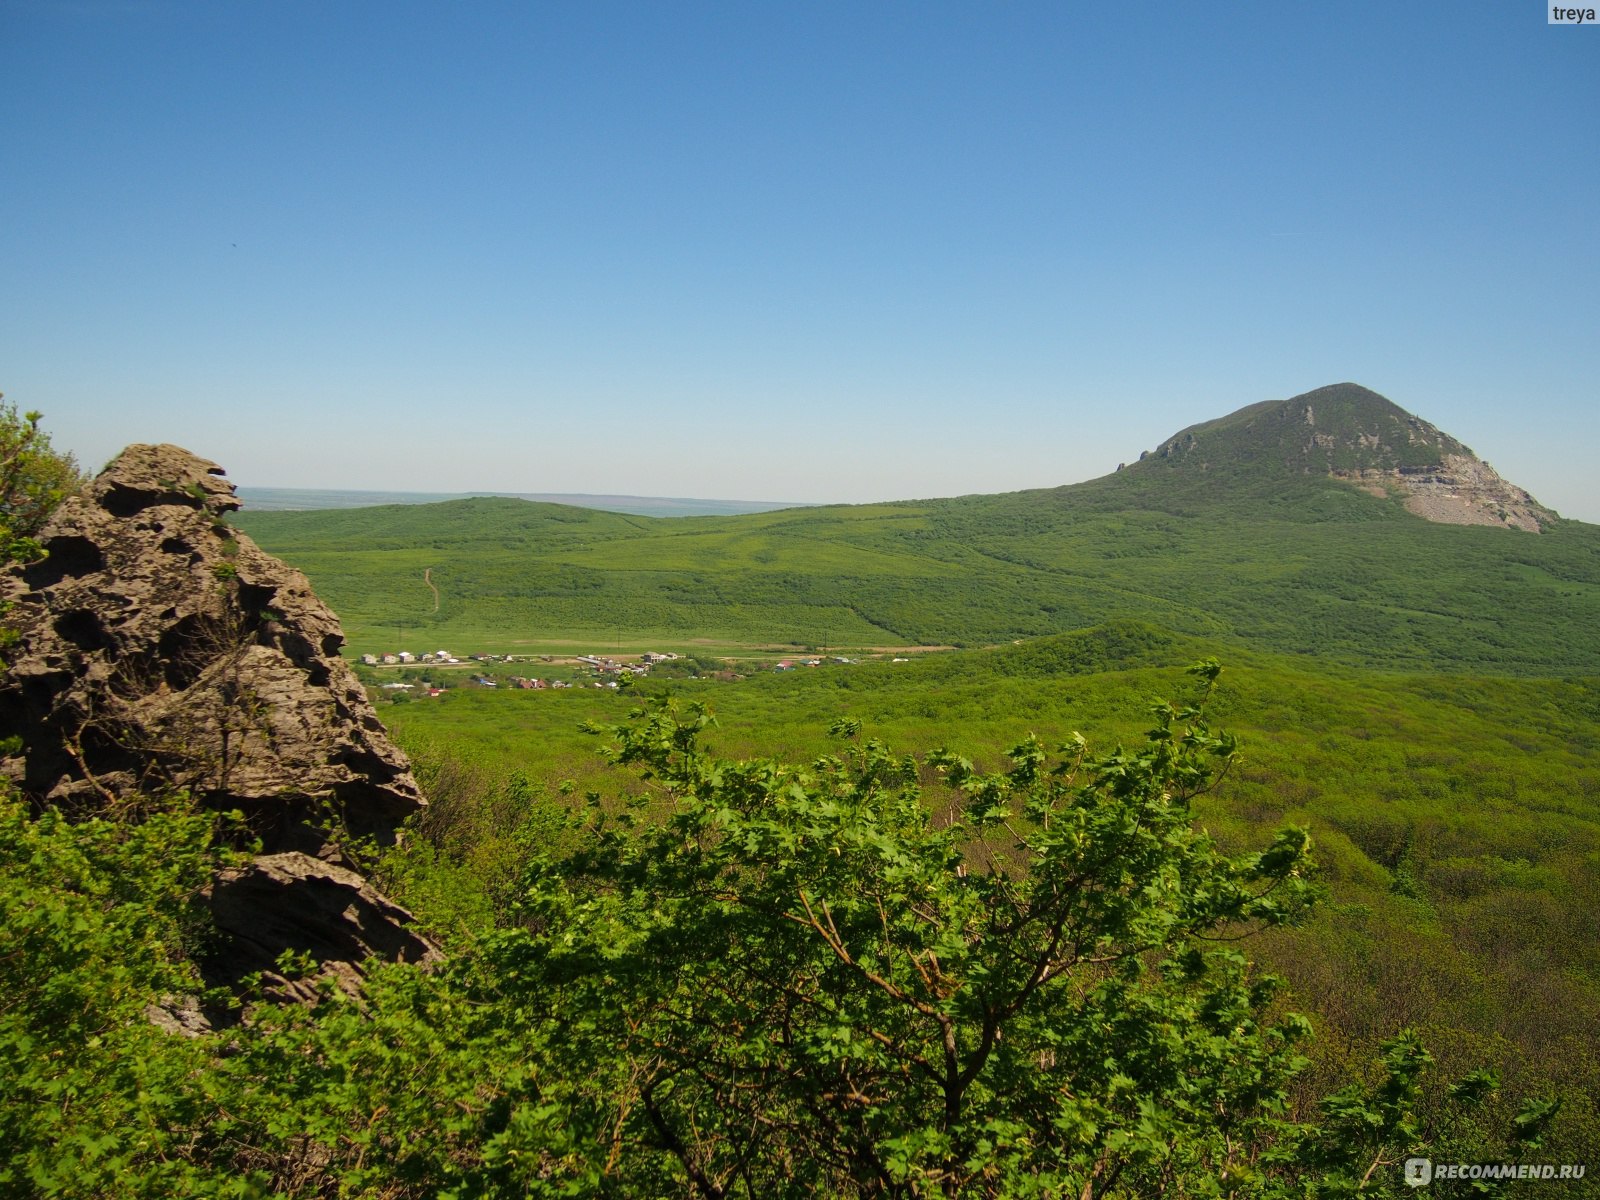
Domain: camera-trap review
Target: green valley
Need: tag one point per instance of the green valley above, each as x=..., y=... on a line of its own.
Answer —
x=1228, y=825
x=1422, y=695
x=1242, y=546
x=1456, y=817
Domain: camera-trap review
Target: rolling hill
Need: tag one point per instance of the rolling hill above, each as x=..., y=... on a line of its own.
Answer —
x=276, y=499
x=1454, y=816
x=1330, y=524
x=1369, y=582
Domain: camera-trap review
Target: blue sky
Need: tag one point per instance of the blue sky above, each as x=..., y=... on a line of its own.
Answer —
x=803, y=252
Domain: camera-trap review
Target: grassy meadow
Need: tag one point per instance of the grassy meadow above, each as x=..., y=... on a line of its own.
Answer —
x=1301, y=565
x=1456, y=817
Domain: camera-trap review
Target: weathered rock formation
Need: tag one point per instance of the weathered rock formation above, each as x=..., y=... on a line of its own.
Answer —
x=1461, y=489
x=159, y=650
x=293, y=901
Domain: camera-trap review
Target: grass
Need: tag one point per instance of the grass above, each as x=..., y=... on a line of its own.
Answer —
x=1457, y=816
x=1425, y=698
x=1304, y=565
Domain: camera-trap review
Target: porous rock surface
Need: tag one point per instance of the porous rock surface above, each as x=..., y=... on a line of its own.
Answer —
x=160, y=649
x=294, y=901
x=1460, y=489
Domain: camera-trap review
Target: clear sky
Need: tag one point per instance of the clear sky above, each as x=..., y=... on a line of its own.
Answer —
x=804, y=251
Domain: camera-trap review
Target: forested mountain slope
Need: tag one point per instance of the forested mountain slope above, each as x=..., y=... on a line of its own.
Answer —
x=1259, y=528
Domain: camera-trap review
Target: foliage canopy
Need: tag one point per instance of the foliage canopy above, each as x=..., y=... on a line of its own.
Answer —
x=871, y=976
x=825, y=988
x=1304, y=565
x=756, y=980
x=34, y=479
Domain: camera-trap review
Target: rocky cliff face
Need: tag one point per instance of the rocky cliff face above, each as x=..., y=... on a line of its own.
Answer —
x=1461, y=489
x=160, y=650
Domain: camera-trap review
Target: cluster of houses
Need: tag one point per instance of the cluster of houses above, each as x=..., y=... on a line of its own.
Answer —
x=610, y=666
x=602, y=667
x=429, y=690
x=406, y=658
x=608, y=671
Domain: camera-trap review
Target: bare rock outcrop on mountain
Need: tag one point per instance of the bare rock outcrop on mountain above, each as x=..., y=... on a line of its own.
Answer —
x=160, y=649
x=1460, y=489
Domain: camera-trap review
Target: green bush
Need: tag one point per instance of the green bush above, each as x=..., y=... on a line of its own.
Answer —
x=873, y=976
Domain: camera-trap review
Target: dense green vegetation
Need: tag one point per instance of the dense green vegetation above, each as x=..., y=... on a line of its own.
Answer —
x=1033, y=949
x=1275, y=558
x=756, y=980
x=1342, y=427
x=34, y=478
x=1457, y=817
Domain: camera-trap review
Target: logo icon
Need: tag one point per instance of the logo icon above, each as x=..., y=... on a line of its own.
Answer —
x=1419, y=1172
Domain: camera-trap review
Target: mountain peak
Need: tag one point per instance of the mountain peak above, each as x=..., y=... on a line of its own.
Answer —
x=1351, y=433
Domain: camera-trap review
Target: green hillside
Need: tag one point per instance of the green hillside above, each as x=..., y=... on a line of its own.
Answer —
x=1342, y=427
x=1231, y=531
x=1417, y=708
x=1457, y=817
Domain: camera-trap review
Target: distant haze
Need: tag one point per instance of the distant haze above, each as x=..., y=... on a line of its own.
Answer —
x=267, y=499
